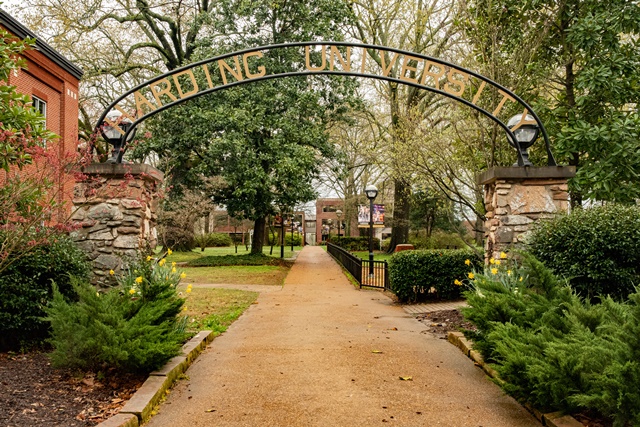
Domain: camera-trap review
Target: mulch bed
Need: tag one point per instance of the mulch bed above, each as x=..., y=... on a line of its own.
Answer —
x=445, y=321
x=33, y=394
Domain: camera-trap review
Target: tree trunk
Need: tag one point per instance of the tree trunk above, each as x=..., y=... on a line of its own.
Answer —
x=400, y=224
x=258, y=236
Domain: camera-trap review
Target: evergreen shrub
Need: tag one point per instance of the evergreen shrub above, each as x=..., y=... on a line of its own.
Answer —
x=26, y=289
x=438, y=240
x=554, y=349
x=417, y=275
x=354, y=244
x=132, y=328
x=213, y=240
x=597, y=249
x=231, y=260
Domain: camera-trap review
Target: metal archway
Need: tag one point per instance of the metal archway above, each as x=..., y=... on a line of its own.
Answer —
x=336, y=58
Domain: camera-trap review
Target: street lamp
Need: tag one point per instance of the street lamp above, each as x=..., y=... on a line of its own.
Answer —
x=113, y=131
x=371, y=191
x=329, y=225
x=526, y=134
x=339, y=215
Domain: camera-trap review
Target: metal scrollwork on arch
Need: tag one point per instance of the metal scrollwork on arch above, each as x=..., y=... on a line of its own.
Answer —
x=319, y=58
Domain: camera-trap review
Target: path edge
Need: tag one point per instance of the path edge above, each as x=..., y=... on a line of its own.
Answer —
x=140, y=406
x=551, y=419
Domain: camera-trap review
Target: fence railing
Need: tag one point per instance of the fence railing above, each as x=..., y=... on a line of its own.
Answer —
x=359, y=268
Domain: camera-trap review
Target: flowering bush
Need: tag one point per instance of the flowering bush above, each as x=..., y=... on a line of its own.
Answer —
x=416, y=275
x=133, y=327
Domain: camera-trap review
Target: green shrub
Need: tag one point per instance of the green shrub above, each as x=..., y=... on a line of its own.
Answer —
x=213, y=240
x=416, y=275
x=554, y=349
x=354, y=244
x=227, y=260
x=297, y=239
x=438, y=240
x=178, y=239
x=130, y=328
x=598, y=249
x=26, y=289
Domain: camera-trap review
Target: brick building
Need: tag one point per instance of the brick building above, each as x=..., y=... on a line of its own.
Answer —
x=51, y=81
x=327, y=220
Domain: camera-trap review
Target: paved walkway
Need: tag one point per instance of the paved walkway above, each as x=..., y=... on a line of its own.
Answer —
x=321, y=353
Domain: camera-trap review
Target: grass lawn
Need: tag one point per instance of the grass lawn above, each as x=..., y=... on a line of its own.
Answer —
x=243, y=275
x=228, y=250
x=215, y=309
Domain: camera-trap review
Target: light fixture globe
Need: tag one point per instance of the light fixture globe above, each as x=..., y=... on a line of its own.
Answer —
x=115, y=136
x=338, y=213
x=526, y=131
x=371, y=191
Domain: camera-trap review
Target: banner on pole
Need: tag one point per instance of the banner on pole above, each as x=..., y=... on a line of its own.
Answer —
x=378, y=216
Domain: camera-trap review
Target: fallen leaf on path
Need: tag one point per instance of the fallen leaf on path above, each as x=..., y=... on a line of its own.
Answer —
x=392, y=329
x=376, y=351
x=406, y=378
x=210, y=410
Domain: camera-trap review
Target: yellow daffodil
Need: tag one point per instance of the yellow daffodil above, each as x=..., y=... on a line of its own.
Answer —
x=162, y=262
x=457, y=282
x=189, y=286
x=494, y=271
x=169, y=251
x=520, y=280
x=183, y=275
x=467, y=261
x=139, y=279
x=503, y=255
x=173, y=264
x=184, y=308
x=148, y=257
x=508, y=272
x=132, y=291
x=471, y=275
x=492, y=261
x=188, y=290
x=497, y=262
x=173, y=270
x=111, y=272
x=97, y=294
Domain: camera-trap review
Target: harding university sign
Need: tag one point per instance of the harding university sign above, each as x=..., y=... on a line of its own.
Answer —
x=321, y=58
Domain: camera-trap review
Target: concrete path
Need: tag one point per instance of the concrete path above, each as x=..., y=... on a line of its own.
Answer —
x=321, y=353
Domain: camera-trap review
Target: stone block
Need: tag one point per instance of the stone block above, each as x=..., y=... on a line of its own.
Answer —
x=142, y=402
x=120, y=420
x=107, y=262
x=102, y=235
x=516, y=220
x=127, y=241
x=501, y=211
x=531, y=199
x=521, y=228
x=104, y=211
x=504, y=235
x=502, y=201
x=128, y=230
x=561, y=196
x=173, y=368
x=556, y=419
x=476, y=357
x=132, y=204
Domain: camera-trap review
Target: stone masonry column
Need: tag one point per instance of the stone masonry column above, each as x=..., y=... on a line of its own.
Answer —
x=114, y=206
x=517, y=197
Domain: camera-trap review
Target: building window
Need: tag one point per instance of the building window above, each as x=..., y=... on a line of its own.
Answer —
x=40, y=105
x=329, y=208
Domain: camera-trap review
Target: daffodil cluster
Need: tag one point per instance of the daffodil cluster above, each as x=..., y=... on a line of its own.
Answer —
x=502, y=270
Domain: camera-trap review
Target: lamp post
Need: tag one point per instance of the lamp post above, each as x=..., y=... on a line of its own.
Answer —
x=329, y=225
x=526, y=134
x=371, y=191
x=113, y=131
x=292, y=221
x=339, y=215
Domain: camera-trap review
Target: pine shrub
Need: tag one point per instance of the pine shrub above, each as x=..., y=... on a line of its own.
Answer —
x=555, y=349
x=597, y=249
x=417, y=275
x=26, y=288
x=132, y=327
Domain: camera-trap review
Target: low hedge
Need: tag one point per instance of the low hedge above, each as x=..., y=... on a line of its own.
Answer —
x=418, y=275
x=354, y=243
x=231, y=260
x=597, y=249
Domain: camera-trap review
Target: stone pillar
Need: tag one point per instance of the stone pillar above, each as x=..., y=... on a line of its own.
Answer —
x=114, y=207
x=516, y=197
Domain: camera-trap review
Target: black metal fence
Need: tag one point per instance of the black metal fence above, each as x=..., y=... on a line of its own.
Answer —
x=359, y=268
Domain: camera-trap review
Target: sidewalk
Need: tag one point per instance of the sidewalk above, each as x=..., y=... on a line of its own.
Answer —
x=322, y=353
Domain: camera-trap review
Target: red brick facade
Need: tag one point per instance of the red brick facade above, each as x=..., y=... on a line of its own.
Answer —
x=327, y=220
x=53, y=79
